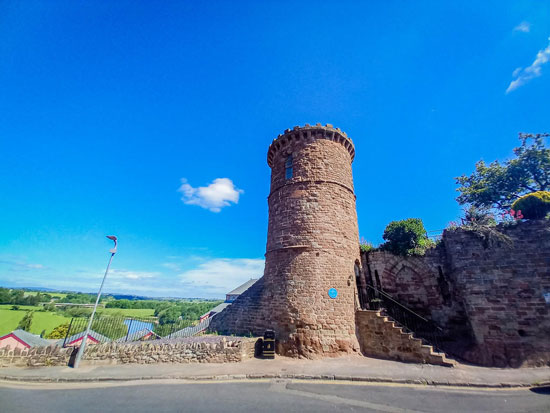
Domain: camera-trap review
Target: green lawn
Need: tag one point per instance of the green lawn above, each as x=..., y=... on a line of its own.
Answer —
x=9, y=320
x=47, y=320
x=40, y=321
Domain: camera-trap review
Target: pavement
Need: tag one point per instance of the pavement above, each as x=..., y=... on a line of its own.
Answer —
x=349, y=368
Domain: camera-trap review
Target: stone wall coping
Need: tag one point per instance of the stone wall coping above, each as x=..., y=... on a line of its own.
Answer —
x=312, y=132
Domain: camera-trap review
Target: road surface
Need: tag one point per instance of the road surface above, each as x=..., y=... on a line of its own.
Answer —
x=264, y=396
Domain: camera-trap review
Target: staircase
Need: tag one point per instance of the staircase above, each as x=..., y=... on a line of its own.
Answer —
x=420, y=338
x=380, y=336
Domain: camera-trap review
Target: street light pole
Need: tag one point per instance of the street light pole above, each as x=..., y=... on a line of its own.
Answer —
x=85, y=336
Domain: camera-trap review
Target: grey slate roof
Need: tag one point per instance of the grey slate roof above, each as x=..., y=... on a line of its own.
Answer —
x=96, y=336
x=242, y=288
x=32, y=340
x=218, y=309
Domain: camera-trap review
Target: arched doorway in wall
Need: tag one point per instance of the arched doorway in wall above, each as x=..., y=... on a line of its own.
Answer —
x=361, y=286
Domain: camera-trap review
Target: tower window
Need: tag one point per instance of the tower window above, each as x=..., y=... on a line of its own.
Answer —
x=288, y=167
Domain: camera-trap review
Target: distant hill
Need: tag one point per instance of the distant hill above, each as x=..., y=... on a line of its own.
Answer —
x=113, y=295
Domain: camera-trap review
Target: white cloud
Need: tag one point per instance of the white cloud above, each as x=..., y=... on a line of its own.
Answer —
x=221, y=275
x=131, y=275
x=524, y=75
x=524, y=27
x=17, y=265
x=172, y=266
x=220, y=193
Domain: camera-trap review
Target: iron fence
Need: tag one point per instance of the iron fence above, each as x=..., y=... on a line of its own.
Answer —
x=105, y=329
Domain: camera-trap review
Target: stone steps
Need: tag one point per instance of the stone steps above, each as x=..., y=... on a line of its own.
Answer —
x=380, y=336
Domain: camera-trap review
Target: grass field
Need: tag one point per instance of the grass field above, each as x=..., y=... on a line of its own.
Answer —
x=53, y=294
x=40, y=321
x=141, y=312
x=21, y=307
x=46, y=320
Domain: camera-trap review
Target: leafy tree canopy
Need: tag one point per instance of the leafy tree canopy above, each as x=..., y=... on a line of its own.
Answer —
x=406, y=237
x=498, y=185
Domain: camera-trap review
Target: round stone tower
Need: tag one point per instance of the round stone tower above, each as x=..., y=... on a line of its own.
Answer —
x=312, y=242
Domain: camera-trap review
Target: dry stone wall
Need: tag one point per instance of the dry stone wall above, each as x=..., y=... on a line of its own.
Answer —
x=222, y=351
x=486, y=291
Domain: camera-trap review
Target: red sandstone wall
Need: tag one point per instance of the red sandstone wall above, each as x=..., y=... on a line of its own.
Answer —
x=312, y=246
x=496, y=290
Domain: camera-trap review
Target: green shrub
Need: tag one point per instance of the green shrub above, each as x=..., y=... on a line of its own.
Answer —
x=365, y=246
x=49, y=307
x=406, y=237
x=534, y=205
x=60, y=331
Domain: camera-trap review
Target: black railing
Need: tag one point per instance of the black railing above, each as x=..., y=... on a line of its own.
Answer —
x=413, y=323
x=106, y=329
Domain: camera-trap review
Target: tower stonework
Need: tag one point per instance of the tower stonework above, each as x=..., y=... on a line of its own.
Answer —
x=312, y=247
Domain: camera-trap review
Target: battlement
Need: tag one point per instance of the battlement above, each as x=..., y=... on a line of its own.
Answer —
x=317, y=131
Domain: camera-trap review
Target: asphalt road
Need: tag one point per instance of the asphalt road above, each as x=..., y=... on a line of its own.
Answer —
x=264, y=396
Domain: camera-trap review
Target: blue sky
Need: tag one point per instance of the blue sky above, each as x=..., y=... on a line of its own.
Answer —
x=151, y=121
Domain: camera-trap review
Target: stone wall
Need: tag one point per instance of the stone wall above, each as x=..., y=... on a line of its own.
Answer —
x=486, y=291
x=223, y=351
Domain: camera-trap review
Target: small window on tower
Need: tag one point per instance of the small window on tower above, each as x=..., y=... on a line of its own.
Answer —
x=288, y=167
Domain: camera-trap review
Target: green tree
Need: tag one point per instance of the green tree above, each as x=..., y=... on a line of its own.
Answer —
x=5, y=296
x=498, y=185
x=26, y=321
x=406, y=237
x=169, y=315
x=18, y=297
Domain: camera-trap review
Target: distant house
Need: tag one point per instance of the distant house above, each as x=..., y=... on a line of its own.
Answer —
x=76, y=339
x=141, y=335
x=22, y=339
x=229, y=298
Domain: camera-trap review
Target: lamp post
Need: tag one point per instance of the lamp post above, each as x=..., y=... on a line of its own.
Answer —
x=85, y=336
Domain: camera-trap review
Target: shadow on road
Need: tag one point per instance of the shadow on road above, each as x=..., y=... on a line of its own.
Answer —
x=541, y=390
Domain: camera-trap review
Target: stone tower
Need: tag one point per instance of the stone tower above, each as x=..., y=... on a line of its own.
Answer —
x=308, y=291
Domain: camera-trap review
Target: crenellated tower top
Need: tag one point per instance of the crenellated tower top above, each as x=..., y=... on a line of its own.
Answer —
x=317, y=131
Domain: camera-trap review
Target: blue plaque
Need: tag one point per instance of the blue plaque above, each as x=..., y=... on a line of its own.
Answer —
x=333, y=293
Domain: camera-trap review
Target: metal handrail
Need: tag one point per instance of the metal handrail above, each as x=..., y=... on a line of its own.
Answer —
x=389, y=297
x=419, y=326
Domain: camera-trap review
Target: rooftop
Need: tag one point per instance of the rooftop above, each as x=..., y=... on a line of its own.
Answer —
x=32, y=340
x=242, y=288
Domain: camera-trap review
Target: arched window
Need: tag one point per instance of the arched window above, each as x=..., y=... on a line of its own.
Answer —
x=288, y=167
